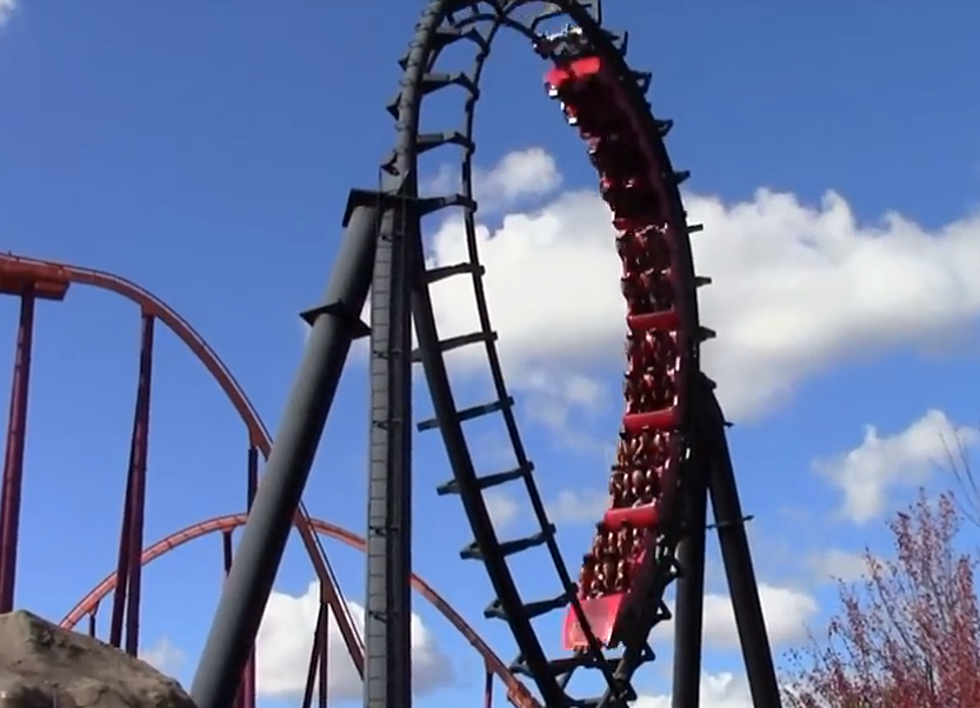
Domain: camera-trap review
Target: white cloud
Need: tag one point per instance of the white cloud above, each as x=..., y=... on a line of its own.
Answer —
x=502, y=507
x=797, y=289
x=867, y=473
x=285, y=641
x=552, y=397
x=521, y=175
x=6, y=10
x=164, y=656
x=835, y=564
x=721, y=690
x=786, y=612
x=568, y=507
x=576, y=507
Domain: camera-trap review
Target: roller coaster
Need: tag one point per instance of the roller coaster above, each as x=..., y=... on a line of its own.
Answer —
x=671, y=455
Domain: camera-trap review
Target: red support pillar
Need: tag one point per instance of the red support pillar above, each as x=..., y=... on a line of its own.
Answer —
x=227, y=553
x=122, y=568
x=324, y=632
x=30, y=282
x=253, y=475
x=316, y=655
x=13, y=464
x=140, y=452
x=125, y=602
x=488, y=690
x=248, y=679
x=246, y=691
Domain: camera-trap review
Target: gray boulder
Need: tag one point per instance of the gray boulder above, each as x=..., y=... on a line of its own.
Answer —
x=44, y=666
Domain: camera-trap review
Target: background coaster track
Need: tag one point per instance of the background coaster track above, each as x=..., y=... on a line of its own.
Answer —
x=444, y=23
x=33, y=280
x=87, y=608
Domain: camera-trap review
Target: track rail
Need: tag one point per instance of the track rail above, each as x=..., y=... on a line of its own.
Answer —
x=445, y=23
x=33, y=278
x=89, y=604
x=18, y=273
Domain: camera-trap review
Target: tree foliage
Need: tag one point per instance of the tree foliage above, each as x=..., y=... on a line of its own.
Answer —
x=908, y=634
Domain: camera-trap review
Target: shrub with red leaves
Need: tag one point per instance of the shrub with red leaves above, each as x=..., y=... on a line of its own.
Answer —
x=908, y=635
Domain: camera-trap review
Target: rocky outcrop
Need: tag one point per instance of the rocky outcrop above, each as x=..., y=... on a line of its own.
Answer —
x=44, y=666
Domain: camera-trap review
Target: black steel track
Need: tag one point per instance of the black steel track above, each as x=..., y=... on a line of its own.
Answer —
x=443, y=23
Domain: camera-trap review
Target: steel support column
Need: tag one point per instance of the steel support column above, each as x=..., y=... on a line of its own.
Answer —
x=689, y=610
x=125, y=601
x=248, y=680
x=318, y=653
x=737, y=559
x=335, y=325
x=488, y=689
x=323, y=673
x=13, y=463
x=388, y=611
x=138, y=456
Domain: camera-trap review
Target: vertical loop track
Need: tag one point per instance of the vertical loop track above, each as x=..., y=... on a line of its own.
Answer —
x=666, y=330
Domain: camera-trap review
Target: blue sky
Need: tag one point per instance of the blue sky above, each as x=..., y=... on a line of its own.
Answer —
x=206, y=152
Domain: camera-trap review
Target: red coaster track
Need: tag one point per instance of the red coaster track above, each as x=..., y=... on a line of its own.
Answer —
x=32, y=280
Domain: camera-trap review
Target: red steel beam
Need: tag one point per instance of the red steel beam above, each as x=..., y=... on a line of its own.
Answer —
x=13, y=463
x=139, y=453
x=31, y=282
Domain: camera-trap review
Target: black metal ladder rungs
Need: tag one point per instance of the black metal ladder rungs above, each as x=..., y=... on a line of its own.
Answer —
x=495, y=610
x=509, y=548
x=565, y=664
x=624, y=688
x=470, y=413
x=487, y=481
x=594, y=702
x=434, y=275
x=448, y=345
